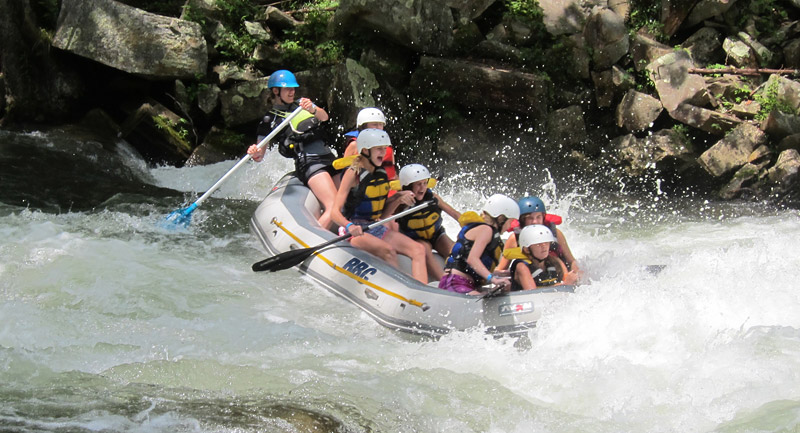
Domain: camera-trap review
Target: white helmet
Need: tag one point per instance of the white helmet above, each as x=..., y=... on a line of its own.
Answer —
x=412, y=173
x=368, y=115
x=500, y=204
x=369, y=138
x=535, y=234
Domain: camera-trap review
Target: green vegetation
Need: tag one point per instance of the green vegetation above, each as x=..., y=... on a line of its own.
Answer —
x=766, y=16
x=646, y=14
x=176, y=130
x=310, y=45
x=771, y=101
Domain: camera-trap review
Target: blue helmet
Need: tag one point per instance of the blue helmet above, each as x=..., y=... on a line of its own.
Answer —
x=531, y=204
x=282, y=78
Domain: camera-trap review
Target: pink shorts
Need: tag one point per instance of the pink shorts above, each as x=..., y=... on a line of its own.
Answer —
x=456, y=283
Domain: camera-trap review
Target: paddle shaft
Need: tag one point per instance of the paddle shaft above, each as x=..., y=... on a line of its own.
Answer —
x=247, y=157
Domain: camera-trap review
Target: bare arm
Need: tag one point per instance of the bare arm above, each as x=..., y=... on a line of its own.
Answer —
x=348, y=180
x=511, y=242
x=400, y=197
x=447, y=208
x=318, y=112
x=523, y=276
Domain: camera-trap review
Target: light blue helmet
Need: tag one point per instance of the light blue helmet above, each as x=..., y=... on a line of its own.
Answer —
x=282, y=78
x=531, y=204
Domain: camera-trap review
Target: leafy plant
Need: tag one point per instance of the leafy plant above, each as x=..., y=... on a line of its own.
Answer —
x=770, y=101
x=176, y=130
x=310, y=45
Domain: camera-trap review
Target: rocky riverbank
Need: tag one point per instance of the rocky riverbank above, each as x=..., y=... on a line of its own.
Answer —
x=705, y=96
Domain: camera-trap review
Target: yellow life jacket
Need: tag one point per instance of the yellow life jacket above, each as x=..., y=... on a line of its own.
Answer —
x=366, y=200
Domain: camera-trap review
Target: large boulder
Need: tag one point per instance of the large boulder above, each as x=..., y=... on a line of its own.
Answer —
x=710, y=121
x=422, y=25
x=131, y=39
x=611, y=84
x=705, y=47
x=244, y=102
x=479, y=86
x=733, y=150
x=607, y=37
x=784, y=174
x=673, y=82
x=705, y=9
x=638, y=111
x=780, y=125
x=639, y=156
x=566, y=127
x=39, y=85
x=786, y=92
x=563, y=17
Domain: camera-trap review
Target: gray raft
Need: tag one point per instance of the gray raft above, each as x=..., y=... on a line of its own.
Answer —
x=285, y=221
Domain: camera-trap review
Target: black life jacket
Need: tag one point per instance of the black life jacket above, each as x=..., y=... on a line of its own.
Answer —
x=302, y=129
x=551, y=275
x=460, y=252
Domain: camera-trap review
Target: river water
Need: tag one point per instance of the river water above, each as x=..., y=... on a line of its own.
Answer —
x=112, y=322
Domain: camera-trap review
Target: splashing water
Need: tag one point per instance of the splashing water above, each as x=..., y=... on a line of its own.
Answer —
x=110, y=323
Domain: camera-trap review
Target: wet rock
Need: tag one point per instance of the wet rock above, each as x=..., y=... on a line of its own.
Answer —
x=640, y=155
x=744, y=178
x=566, y=127
x=244, y=102
x=279, y=19
x=563, y=17
x=733, y=150
x=791, y=54
x=790, y=142
x=710, y=121
x=784, y=174
x=704, y=47
x=607, y=37
x=469, y=10
x=422, y=26
x=131, y=39
x=785, y=91
x=705, y=9
x=674, y=84
x=219, y=145
x=208, y=98
x=739, y=53
x=637, y=111
x=483, y=87
x=611, y=84
x=780, y=125
x=645, y=50
x=159, y=134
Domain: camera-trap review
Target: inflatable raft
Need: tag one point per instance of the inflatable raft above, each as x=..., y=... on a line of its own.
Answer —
x=285, y=221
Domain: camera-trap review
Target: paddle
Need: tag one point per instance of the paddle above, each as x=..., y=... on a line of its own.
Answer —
x=295, y=257
x=184, y=216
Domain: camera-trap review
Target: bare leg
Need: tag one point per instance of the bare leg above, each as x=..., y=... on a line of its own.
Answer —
x=411, y=248
x=434, y=270
x=376, y=247
x=324, y=189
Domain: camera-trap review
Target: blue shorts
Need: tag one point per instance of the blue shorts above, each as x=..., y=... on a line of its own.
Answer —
x=378, y=231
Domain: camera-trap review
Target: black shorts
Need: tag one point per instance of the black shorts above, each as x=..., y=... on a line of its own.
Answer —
x=306, y=166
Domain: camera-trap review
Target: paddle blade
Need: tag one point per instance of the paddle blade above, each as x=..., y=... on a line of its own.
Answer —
x=284, y=260
x=181, y=217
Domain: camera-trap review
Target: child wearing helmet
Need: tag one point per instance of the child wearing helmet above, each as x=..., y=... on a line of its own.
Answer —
x=302, y=141
x=478, y=248
x=370, y=118
x=425, y=226
x=533, y=266
x=363, y=198
x=533, y=211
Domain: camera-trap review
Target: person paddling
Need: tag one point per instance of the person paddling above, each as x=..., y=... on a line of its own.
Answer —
x=532, y=265
x=363, y=198
x=302, y=141
x=425, y=226
x=478, y=248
